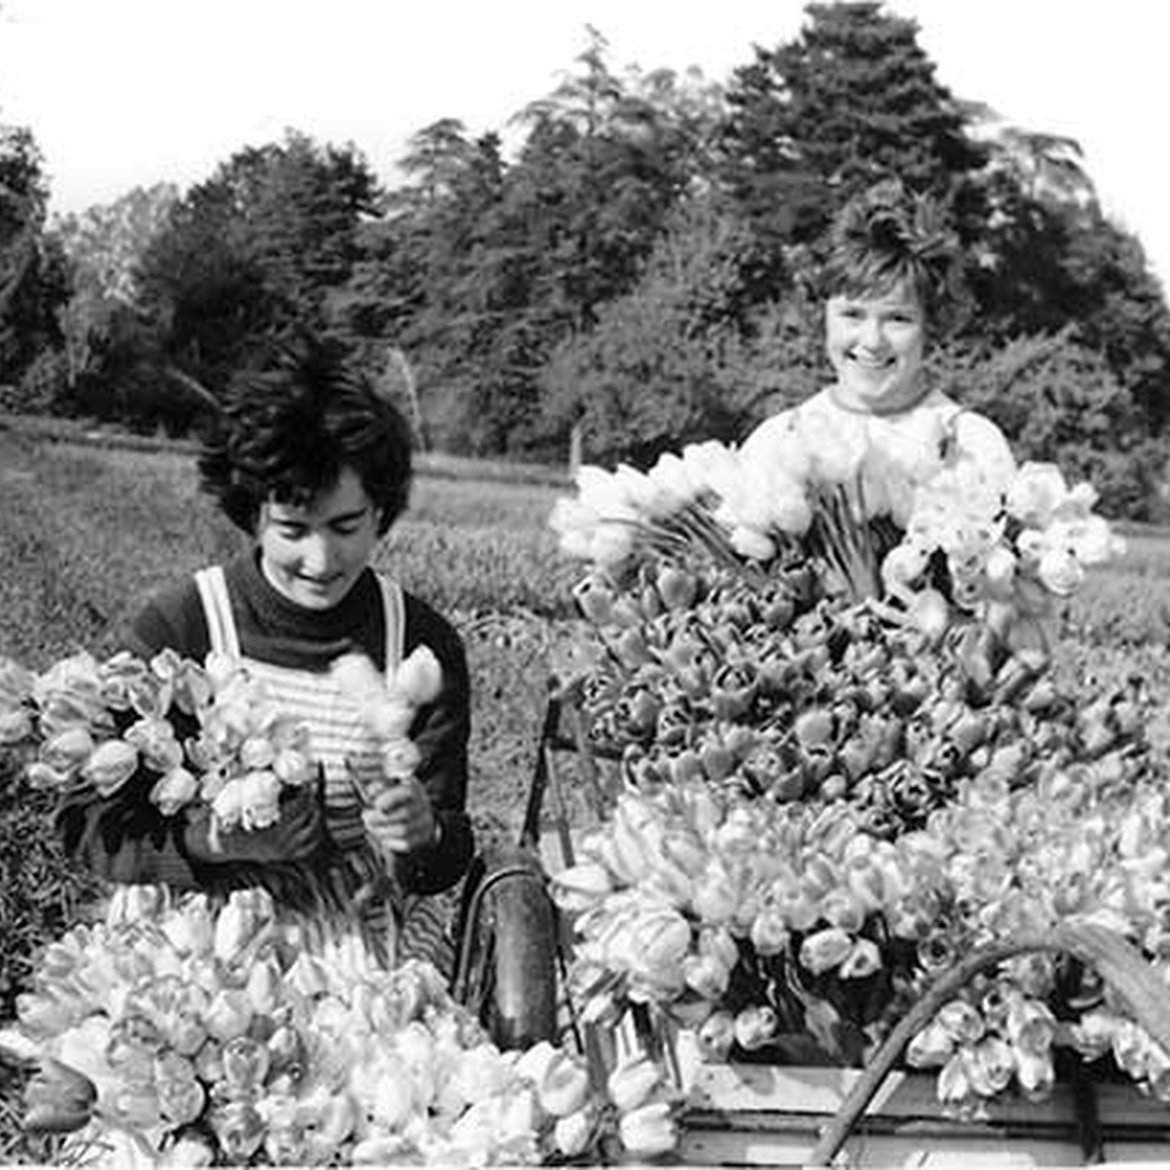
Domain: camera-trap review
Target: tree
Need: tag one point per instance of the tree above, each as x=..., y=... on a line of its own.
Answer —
x=1048, y=260
x=104, y=246
x=258, y=248
x=494, y=265
x=33, y=277
x=688, y=353
x=852, y=100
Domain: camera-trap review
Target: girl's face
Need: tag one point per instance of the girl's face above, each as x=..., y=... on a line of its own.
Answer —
x=314, y=554
x=875, y=344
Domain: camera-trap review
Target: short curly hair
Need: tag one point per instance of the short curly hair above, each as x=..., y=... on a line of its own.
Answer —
x=886, y=236
x=291, y=422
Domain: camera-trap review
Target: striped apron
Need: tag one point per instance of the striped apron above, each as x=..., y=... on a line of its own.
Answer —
x=405, y=927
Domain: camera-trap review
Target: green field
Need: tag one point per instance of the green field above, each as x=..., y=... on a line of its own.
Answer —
x=87, y=532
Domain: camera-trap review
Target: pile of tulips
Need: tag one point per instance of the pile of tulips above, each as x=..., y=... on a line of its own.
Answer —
x=179, y=1033
x=775, y=692
x=818, y=799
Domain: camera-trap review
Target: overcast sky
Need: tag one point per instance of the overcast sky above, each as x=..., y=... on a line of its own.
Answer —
x=122, y=93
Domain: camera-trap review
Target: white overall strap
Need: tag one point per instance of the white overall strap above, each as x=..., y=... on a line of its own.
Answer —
x=217, y=609
x=394, y=607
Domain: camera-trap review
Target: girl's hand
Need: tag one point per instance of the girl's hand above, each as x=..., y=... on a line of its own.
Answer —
x=400, y=818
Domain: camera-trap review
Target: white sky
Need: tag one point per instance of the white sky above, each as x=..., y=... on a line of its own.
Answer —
x=121, y=93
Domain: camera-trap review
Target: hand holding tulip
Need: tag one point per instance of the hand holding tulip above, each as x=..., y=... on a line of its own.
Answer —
x=400, y=818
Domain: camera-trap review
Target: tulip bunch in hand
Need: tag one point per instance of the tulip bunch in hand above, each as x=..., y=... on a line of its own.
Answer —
x=207, y=740
x=397, y=811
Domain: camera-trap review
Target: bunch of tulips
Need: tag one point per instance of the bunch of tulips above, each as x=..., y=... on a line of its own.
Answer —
x=184, y=732
x=826, y=785
x=178, y=1032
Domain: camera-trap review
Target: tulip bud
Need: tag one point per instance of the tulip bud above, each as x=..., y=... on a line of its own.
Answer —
x=181, y=1097
x=265, y=987
x=595, y=602
x=930, y=1048
x=419, y=677
x=631, y=1083
x=706, y=975
x=110, y=766
x=228, y=1015
x=238, y=1128
x=581, y=886
x=715, y=898
x=564, y=1088
x=825, y=950
x=954, y=1086
x=631, y=648
x=755, y=1026
x=573, y=1133
x=814, y=727
x=174, y=790
x=718, y=762
x=716, y=1036
x=862, y=961
x=16, y=725
x=649, y=1130
x=58, y=1099
x=66, y=751
x=241, y=923
x=769, y=932
x=188, y=1153
x=1035, y=1074
x=962, y=1021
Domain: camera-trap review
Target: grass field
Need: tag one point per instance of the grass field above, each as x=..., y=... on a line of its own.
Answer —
x=88, y=532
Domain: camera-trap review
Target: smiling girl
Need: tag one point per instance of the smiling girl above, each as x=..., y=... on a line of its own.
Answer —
x=885, y=281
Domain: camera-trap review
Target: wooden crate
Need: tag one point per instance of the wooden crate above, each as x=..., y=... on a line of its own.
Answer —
x=767, y=1115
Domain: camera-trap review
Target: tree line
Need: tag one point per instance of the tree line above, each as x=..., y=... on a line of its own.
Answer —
x=639, y=272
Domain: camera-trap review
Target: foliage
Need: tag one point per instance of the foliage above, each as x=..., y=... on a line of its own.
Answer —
x=33, y=284
x=494, y=265
x=852, y=100
x=1048, y=260
x=252, y=251
x=104, y=343
x=694, y=348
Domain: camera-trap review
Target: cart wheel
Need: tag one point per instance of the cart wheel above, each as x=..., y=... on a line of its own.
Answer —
x=507, y=971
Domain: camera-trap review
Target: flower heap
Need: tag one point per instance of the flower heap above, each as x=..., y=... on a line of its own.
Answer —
x=187, y=733
x=819, y=690
x=176, y=1035
x=793, y=929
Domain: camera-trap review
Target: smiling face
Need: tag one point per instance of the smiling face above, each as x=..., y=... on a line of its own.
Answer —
x=314, y=554
x=875, y=344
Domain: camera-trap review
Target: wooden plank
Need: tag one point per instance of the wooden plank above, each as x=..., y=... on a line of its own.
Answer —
x=745, y=1148
x=757, y=1115
x=737, y=1088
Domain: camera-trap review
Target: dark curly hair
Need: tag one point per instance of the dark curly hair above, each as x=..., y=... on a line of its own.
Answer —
x=291, y=422
x=886, y=236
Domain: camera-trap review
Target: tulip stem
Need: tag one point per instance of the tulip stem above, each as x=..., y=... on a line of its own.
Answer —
x=1117, y=961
